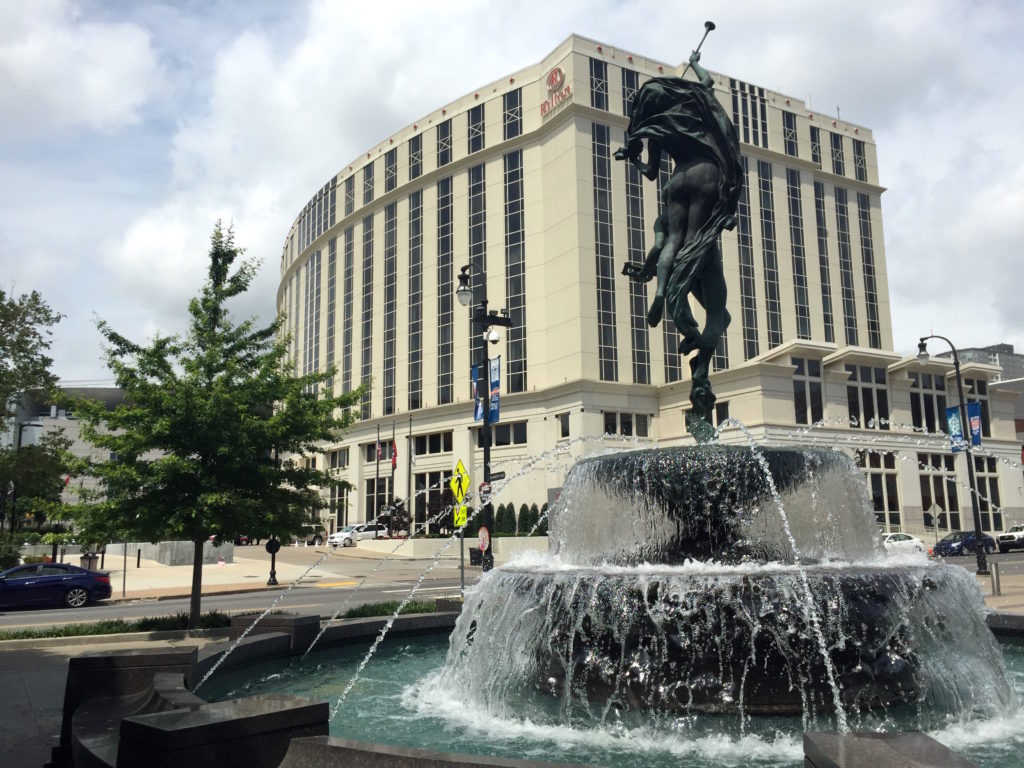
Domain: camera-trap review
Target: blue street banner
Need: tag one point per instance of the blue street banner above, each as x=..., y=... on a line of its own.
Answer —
x=494, y=364
x=956, y=430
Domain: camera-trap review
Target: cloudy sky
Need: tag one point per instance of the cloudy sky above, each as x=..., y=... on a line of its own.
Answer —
x=127, y=127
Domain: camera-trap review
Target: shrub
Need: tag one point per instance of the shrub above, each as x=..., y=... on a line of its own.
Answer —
x=388, y=607
x=505, y=520
x=534, y=515
x=542, y=528
x=9, y=554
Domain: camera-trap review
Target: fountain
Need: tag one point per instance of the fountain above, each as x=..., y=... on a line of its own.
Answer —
x=722, y=580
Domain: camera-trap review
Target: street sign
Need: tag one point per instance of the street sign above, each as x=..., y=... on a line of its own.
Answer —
x=461, y=516
x=459, y=482
x=497, y=476
x=484, y=538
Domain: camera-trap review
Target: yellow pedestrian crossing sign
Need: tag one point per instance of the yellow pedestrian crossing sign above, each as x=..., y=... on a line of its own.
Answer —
x=461, y=516
x=459, y=482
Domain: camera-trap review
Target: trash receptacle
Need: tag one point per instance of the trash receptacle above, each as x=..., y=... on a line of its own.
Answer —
x=476, y=557
x=90, y=561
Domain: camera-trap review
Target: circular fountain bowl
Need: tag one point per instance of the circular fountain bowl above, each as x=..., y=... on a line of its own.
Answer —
x=746, y=640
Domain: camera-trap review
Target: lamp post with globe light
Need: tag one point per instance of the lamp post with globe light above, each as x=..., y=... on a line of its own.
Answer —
x=486, y=321
x=965, y=428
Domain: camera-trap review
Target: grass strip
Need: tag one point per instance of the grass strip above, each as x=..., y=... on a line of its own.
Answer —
x=388, y=607
x=208, y=620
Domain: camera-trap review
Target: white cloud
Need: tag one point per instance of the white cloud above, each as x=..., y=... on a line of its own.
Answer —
x=57, y=71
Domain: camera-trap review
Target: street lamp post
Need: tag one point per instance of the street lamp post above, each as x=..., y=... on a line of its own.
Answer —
x=486, y=321
x=965, y=427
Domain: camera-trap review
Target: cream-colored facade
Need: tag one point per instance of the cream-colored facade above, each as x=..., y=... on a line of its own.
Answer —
x=518, y=180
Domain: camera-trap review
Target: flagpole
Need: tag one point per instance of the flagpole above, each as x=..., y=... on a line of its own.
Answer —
x=410, y=504
x=391, y=497
x=376, y=482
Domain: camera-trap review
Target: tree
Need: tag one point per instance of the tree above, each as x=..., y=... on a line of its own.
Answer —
x=36, y=474
x=25, y=331
x=542, y=527
x=199, y=442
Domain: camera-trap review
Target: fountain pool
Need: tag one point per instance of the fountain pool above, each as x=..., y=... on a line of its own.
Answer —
x=399, y=701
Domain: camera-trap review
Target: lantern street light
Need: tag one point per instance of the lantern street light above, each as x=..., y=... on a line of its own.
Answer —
x=965, y=429
x=485, y=321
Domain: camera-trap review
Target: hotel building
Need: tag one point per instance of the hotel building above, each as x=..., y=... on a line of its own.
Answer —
x=518, y=180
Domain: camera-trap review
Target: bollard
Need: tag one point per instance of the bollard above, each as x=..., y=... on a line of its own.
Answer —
x=138, y=558
x=996, y=586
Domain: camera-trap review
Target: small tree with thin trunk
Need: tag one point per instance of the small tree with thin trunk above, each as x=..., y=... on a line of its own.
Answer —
x=198, y=445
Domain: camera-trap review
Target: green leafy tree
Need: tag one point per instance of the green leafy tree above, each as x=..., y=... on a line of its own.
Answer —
x=199, y=442
x=25, y=335
x=36, y=475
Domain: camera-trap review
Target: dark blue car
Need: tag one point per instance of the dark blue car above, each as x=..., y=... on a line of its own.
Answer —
x=52, y=584
x=962, y=543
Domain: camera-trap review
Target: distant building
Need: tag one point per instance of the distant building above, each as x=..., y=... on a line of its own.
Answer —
x=518, y=180
x=1001, y=355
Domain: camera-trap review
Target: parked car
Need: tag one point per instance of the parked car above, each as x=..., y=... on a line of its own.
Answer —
x=961, y=543
x=52, y=584
x=902, y=542
x=311, y=534
x=1012, y=539
x=242, y=539
x=350, y=534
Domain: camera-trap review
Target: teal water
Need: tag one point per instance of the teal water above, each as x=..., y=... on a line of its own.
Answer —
x=399, y=700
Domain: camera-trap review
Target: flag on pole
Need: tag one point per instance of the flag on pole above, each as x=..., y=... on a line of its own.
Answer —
x=380, y=450
x=394, y=454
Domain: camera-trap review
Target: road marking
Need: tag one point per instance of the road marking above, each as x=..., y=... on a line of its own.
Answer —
x=327, y=584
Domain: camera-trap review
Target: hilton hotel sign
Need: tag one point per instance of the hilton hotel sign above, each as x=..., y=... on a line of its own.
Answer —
x=558, y=92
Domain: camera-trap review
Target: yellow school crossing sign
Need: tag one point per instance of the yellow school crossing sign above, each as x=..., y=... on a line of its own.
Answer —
x=460, y=487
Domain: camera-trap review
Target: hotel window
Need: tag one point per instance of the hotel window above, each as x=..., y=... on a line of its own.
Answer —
x=880, y=472
x=513, y=433
x=445, y=316
x=433, y=498
x=371, y=455
x=773, y=305
x=311, y=319
x=368, y=183
x=339, y=458
x=867, y=257
x=636, y=253
x=390, y=304
x=366, y=369
x=477, y=250
x=598, y=84
x=846, y=266
x=789, y=133
x=347, y=310
x=867, y=397
x=940, y=501
x=476, y=129
x=928, y=402
x=987, y=479
x=515, y=273
x=376, y=500
x=625, y=424
x=823, y=265
x=334, y=200
x=444, y=143
x=838, y=166
x=630, y=86
x=434, y=443
x=748, y=289
x=332, y=306
x=563, y=424
x=415, y=156
x=350, y=195
x=338, y=504
x=390, y=169
x=816, y=146
x=860, y=162
x=807, y=388
x=673, y=361
x=607, y=343
x=720, y=360
x=801, y=299
x=977, y=392
x=512, y=113
x=415, y=302
x=718, y=417
x=750, y=113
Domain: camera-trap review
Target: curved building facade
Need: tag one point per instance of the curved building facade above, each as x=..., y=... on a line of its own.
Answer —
x=517, y=180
